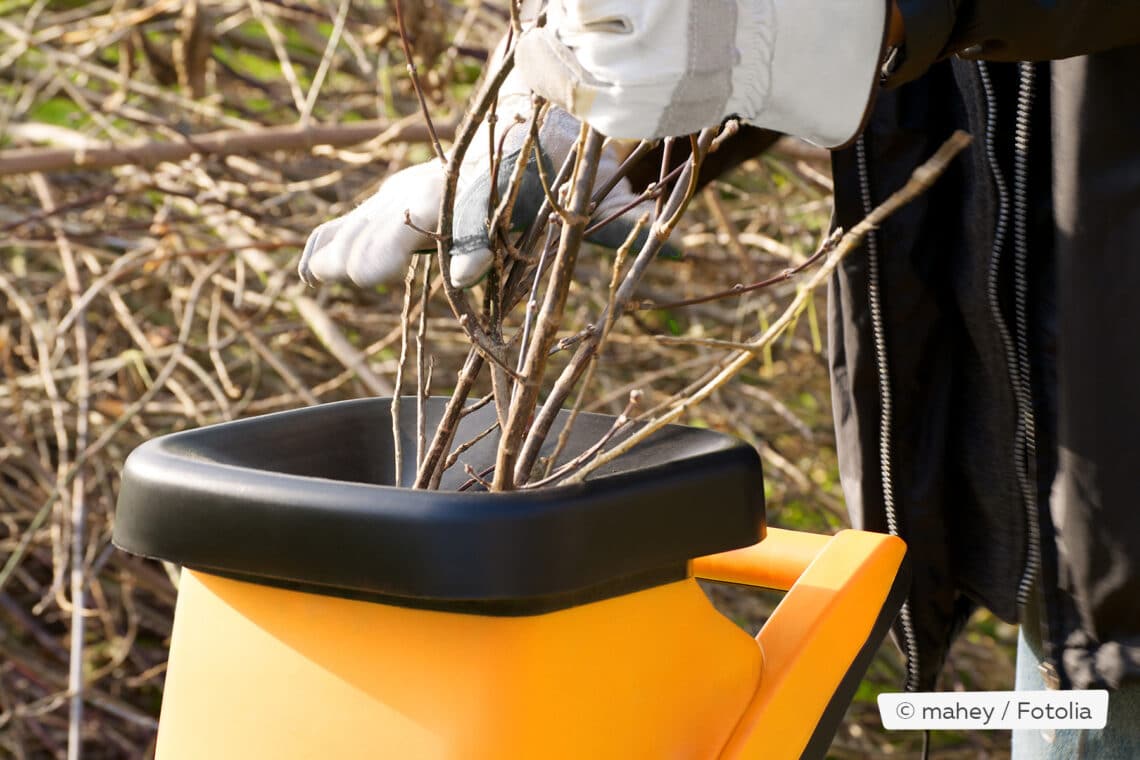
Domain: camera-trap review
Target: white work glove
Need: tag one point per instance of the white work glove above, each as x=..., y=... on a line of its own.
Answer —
x=372, y=244
x=640, y=69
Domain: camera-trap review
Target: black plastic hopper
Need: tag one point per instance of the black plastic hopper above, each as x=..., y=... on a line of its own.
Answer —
x=304, y=499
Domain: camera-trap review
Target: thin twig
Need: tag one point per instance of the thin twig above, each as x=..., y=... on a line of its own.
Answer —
x=432, y=467
x=423, y=379
x=459, y=450
x=655, y=190
x=619, y=424
x=465, y=134
x=326, y=60
x=414, y=75
x=477, y=478
x=75, y=680
x=426, y=233
x=277, y=40
x=825, y=248
x=628, y=163
x=608, y=320
x=549, y=189
x=666, y=158
x=405, y=322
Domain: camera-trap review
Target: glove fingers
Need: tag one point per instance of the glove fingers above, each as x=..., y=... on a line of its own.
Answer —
x=372, y=244
x=379, y=251
x=315, y=267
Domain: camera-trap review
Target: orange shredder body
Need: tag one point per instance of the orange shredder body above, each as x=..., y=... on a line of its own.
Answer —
x=325, y=613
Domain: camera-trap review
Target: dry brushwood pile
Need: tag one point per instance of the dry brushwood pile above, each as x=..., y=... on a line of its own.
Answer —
x=161, y=165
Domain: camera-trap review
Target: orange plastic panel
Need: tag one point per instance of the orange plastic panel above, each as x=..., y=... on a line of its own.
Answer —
x=262, y=672
x=259, y=672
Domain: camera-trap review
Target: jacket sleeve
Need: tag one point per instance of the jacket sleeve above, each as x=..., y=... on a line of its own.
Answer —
x=1011, y=30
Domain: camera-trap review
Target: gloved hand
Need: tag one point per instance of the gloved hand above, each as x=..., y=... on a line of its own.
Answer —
x=372, y=244
x=671, y=67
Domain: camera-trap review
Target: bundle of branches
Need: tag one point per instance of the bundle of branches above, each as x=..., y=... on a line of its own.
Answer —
x=532, y=273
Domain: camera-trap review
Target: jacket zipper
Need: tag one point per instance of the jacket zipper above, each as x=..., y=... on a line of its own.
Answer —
x=1021, y=288
x=885, y=408
x=1017, y=345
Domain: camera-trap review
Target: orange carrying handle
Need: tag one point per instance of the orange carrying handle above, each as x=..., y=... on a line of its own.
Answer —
x=843, y=592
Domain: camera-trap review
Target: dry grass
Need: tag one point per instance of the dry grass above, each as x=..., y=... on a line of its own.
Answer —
x=143, y=298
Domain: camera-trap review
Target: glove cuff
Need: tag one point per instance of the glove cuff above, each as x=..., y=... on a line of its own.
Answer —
x=809, y=69
x=755, y=48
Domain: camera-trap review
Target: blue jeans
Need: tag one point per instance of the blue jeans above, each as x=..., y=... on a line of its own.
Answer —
x=1118, y=740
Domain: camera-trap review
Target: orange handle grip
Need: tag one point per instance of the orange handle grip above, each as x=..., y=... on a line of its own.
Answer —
x=815, y=642
x=776, y=562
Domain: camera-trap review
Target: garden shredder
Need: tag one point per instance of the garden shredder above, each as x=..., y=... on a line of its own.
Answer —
x=324, y=612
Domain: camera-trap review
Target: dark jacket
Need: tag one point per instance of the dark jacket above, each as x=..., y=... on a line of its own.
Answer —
x=985, y=342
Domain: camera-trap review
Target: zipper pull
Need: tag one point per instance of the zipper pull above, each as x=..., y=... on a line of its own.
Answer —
x=1049, y=675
